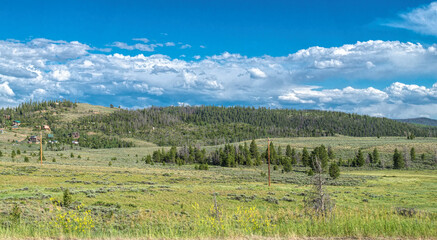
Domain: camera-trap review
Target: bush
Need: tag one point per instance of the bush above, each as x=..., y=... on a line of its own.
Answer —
x=203, y=166
x=67, y=198
x=16, y=213
x=26, y=159
x=334, y=171
x=287, y=166
x=310, y=172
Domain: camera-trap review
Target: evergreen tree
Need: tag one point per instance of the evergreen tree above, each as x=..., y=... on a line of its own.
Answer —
x=413, y=154
x=319, y=154
x=334, y=170
x=331, y=154
x=254, y=152
x=288, y=151
x=375, y=156
x=359, y=159
x=398, y=161
x=287, y=164
x=305, y=157
x=293, y=156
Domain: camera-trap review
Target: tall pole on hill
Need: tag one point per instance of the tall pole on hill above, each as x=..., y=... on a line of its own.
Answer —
x=268, y=156
x=40, y=146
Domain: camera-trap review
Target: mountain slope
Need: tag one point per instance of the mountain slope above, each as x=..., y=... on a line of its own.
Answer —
x=423, y=121
x=209, y=125
x=102, y=127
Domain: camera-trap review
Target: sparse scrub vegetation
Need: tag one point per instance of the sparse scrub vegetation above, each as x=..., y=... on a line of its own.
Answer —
x=151, y=191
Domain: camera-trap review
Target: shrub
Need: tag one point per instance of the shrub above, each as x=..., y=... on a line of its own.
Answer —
x=67, y=198
x=310, y=172
x=26, y=159
x=287, y=166
x=334, y=171
x=16, y=213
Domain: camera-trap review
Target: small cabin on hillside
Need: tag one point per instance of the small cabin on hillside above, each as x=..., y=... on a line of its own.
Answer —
x=33, y=139
x=75, y=142
x=46, y=127
x=16, y=122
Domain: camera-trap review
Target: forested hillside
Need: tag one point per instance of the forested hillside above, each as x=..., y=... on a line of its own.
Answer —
x=203, y=125
x=217, y=125
x=423, y=121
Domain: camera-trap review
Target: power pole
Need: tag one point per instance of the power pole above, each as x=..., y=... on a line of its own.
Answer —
x=268, y=156
x=40, y=146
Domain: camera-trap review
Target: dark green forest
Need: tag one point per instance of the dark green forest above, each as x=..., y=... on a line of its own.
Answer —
x=210, y=125
x=203, y=125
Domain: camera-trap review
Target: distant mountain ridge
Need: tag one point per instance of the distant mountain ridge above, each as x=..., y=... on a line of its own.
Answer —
x=422, y=121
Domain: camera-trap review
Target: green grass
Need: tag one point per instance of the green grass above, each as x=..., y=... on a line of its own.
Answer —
x=136, y=200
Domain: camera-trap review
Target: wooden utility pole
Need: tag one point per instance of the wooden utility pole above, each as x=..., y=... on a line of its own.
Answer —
x=40, y=146
x=268, y=156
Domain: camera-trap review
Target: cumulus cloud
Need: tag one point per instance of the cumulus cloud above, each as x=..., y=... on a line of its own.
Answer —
x=138, y=46
x=185, y=46
x=399, y=100
x=5, y=90
x=346, y=95
x=256, y=73
x=71, y=70
x=422, y=20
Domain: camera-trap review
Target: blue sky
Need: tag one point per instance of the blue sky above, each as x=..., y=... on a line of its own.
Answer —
x=369, y=57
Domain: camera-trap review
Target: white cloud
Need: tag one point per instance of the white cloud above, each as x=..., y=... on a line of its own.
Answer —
x=170, y=44
x=61, y=74
x=5, y=90
x=348, y=95
x=70, y=70
x=422, y=20
x=185, y=46
x=144, y=40
x=328, y=63
x=197, y=57
x=256, y=73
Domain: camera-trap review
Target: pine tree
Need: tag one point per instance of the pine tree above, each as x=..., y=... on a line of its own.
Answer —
x=288, y=151
x=319, y=154
x=334, y=170
x=293, y=156
x=287, y=164
x=359, y=159
x=254, y=151
x=305, y=157
x=413, y=154
x=375, y=156
x=331, y=154
x=398, y=161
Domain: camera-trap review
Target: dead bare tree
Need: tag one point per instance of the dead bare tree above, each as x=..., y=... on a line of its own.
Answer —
x=318, y=200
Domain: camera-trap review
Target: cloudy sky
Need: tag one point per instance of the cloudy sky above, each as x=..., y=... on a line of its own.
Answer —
x=365, y=56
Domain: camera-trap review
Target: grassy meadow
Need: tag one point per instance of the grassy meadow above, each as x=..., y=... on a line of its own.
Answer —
x=114, y=194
